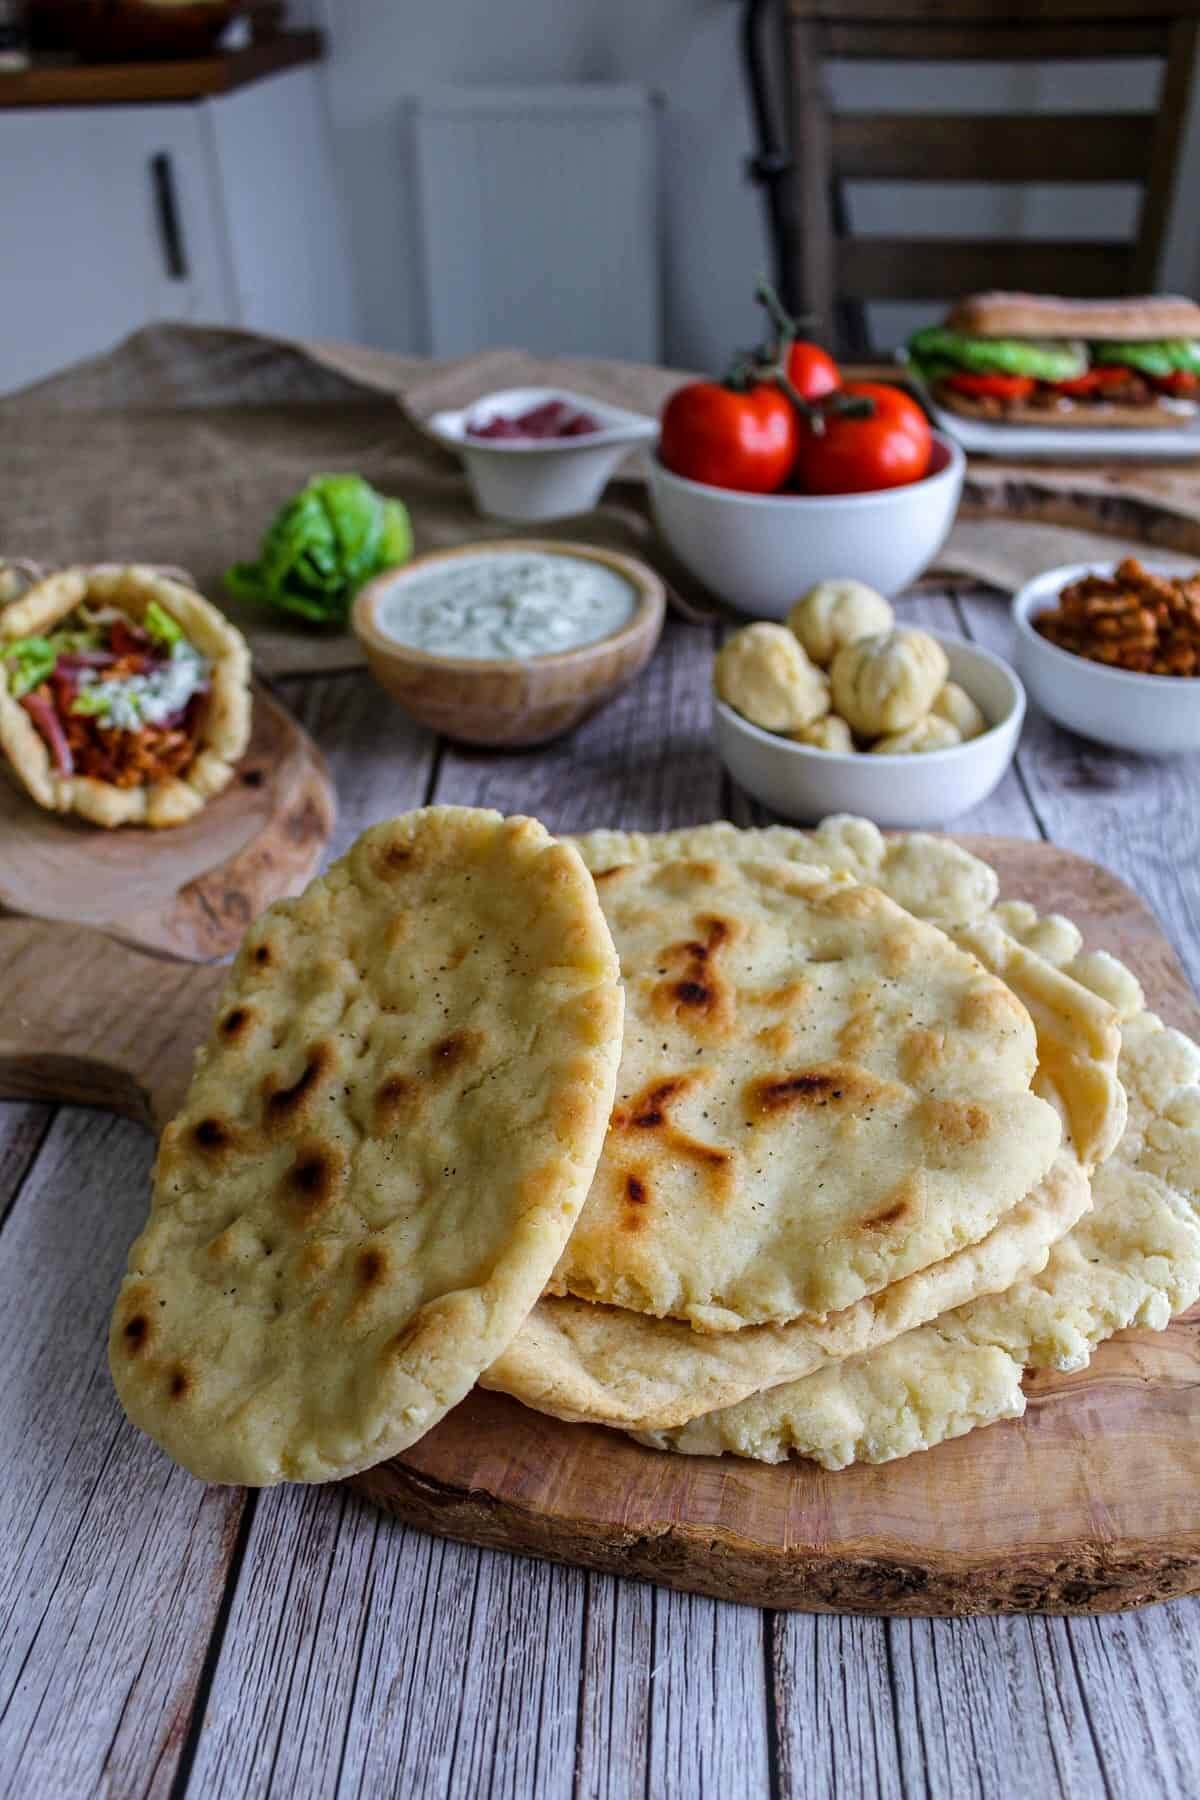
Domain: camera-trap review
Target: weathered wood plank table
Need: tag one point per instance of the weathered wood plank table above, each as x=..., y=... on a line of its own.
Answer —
x=163, y=1638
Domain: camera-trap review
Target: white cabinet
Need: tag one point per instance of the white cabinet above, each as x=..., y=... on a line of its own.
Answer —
x=217, y=211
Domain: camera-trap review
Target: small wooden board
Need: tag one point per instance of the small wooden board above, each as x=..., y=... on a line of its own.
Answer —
x=189, y=891
x=1157, y=504
x=1088, y=1504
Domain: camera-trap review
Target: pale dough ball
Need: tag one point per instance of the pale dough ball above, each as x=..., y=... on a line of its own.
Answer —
x=956, y=706
x=929, y=733
x=764, y=674
x=886, y=683
x=829, y=733
x=835, y=613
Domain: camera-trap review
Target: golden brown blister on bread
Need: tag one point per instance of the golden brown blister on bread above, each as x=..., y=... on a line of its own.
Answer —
x=392, y=1125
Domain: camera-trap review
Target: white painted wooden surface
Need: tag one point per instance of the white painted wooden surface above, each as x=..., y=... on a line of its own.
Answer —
x=83, y=256
x=159, y=1638
x=261, y=223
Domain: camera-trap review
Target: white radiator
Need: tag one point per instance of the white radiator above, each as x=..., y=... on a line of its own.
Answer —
x=538, y=210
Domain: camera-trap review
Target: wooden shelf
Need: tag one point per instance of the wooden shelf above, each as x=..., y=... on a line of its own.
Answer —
x=130, y=84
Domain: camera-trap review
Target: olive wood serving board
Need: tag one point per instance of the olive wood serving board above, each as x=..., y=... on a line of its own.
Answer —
x=1090, y=1503
x=189, y=891
x=1157, y=504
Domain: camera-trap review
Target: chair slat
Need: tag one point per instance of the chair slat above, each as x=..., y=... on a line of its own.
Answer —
x=1035, y=15
x=940, y=268
x=883, y=41
x=993, y=147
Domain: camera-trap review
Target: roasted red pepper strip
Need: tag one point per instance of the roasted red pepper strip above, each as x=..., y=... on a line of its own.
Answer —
x=1094, y=381
x=992, y=387
x=40, y=708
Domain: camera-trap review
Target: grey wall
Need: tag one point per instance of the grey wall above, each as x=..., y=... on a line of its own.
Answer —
x=685, y=49
x=714, y=244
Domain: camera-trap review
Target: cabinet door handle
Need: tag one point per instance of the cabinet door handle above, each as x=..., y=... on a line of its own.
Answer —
x=166, y=208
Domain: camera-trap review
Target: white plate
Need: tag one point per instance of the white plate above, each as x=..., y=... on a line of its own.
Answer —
x=983, y=437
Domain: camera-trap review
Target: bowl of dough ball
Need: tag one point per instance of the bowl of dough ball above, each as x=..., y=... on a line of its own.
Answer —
x=758, y=551
x=840, y=709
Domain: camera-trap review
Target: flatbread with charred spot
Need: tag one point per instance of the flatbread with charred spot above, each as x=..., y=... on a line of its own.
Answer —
x=610, y=1365
x=819, y=1095
x=605, y=1365
x=1134, y=1259
x=391, y=1128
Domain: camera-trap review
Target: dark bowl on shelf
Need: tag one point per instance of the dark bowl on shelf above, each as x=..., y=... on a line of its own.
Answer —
x=134, y=30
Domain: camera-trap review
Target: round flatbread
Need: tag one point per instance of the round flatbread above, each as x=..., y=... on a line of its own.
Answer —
x=604, y=1365
x=609, y=1365
x=391, y=1128
x=224, y=728
x=1134, y=1259
x=932, y=877
x=1067, y=993
x=819, y=1095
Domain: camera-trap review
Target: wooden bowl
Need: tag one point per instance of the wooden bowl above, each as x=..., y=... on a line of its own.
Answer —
x=507, y=703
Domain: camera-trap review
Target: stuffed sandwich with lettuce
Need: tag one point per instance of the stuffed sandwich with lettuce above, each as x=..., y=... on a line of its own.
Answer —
x=1031, y=359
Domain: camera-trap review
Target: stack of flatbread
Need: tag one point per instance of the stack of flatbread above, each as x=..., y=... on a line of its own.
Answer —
x=762, y=1142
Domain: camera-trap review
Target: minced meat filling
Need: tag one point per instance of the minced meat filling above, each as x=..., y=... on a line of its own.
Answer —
x=113, y=700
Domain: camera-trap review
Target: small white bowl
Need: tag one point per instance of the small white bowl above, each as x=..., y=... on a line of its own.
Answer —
x=1154, y=714
x=920, y=790
x=760, y=552
x=540, y=478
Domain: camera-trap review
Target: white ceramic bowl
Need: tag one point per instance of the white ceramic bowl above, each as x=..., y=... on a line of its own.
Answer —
x=921, y=790
x=760, y=552
x=1150, y=713
x=540, y=478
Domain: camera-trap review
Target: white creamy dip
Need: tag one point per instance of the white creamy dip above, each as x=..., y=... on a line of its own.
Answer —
x=506, y=604
x=136, y=700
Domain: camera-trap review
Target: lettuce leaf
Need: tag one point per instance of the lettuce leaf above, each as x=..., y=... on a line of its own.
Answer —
x=320, y=548
x=30, y=661
x=998, y=356
x=161, y=626
x=1164, y=356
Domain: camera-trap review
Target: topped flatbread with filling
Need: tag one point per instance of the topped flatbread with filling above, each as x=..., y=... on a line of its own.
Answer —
x=124, y=695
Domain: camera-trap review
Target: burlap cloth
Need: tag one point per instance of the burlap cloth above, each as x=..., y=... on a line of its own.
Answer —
x=177, y=446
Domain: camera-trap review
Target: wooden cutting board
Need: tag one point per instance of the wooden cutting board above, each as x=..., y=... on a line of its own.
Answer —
x=1157, y=504
x=189, y=891
x=1090, y=1503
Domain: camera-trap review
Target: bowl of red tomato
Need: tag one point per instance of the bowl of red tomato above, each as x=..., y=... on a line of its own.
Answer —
x=784, y=475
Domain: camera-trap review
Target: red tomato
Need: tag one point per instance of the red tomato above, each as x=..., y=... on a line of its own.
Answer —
x=728, y=439
x=1181, y=382
x=1094, y=380
x=812, y=371
x=852, y=456
x=996, y=387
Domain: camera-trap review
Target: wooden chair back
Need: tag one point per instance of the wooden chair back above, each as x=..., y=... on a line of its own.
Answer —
x=830, y=275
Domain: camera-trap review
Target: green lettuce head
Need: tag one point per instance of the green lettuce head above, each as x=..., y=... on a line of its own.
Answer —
x=321, y=547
